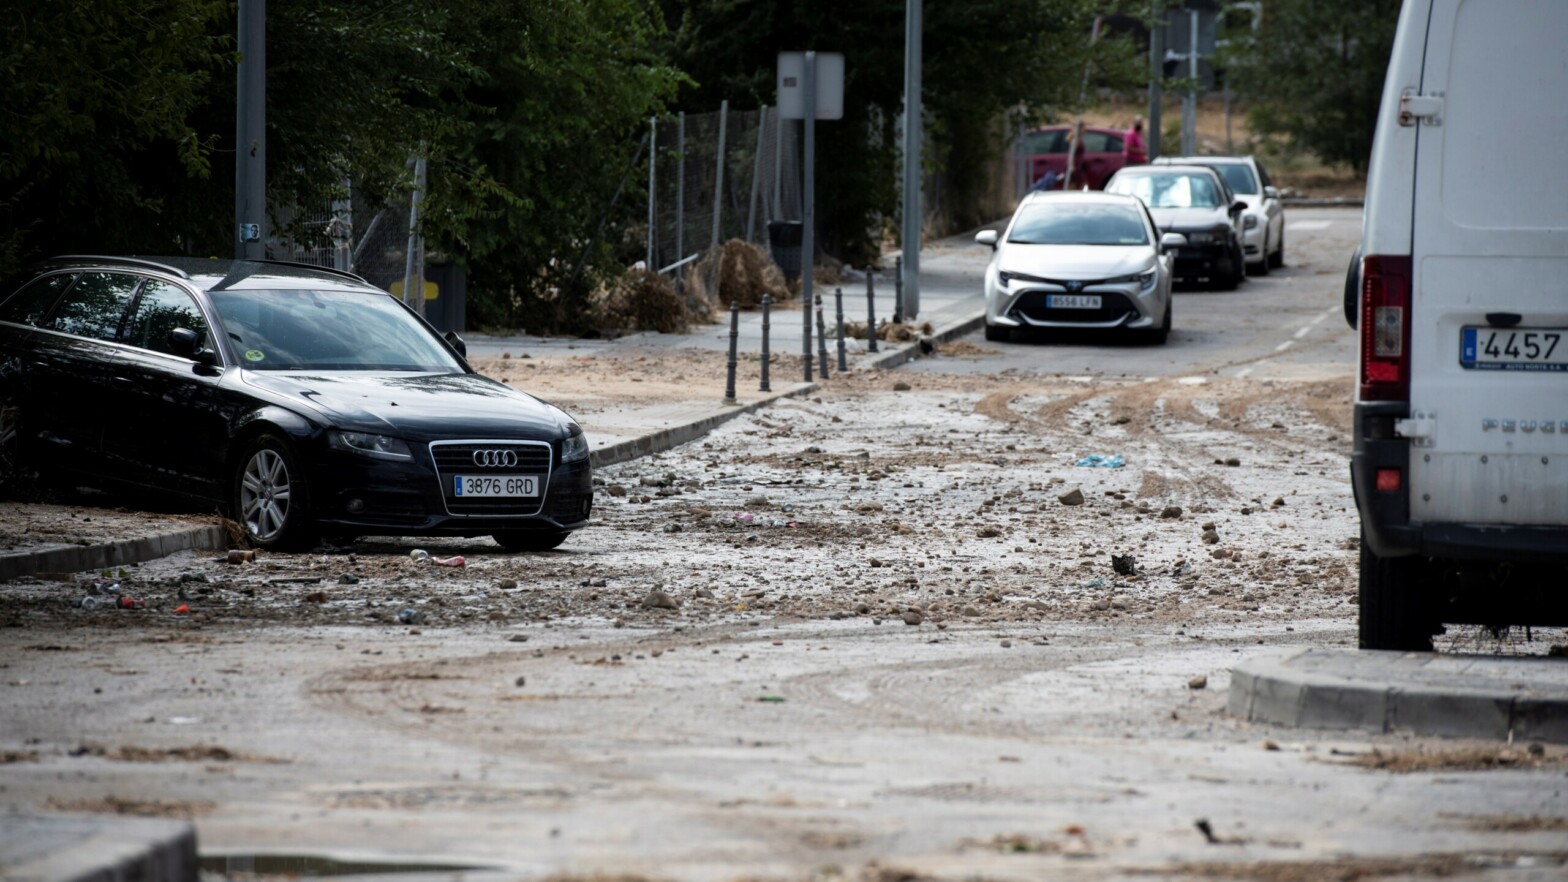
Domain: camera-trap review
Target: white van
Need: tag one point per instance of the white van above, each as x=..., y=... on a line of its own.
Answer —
x=1460, y=464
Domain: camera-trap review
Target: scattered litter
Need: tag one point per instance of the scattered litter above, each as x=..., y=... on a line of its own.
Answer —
x=182, y=610
x=1098, y=461
x=240, y=556
x=411, y=616
x=419, y=556
x=456, y=561
x=1124, y=564
x=745, y=517
x=91, y=603
x=1095, y=583
x=771, y=699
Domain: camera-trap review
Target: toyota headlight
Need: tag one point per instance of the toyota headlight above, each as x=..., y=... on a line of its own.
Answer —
x=366, y=444
x=1144, y=279
x=575, y=446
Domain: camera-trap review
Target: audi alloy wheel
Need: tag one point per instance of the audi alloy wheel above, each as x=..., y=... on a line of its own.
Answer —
x=271, y=501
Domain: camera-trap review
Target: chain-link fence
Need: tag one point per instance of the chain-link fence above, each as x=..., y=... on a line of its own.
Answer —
x=713, y=177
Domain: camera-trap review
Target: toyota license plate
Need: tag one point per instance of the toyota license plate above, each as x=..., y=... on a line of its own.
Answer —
x=495, y=485
x=1072, y=301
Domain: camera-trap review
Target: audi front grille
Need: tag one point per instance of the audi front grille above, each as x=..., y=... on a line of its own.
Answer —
x=498, y=459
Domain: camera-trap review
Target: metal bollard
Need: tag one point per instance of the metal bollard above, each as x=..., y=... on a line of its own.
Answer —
x=822, y=338
x=898, y=290
x=767, y=307
x=871, y=312
x=729, y=385
x=838, y=299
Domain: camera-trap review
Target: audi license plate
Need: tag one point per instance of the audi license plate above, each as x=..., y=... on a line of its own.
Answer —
x=495, y=485
x=1513, y=349
x=1072, y=301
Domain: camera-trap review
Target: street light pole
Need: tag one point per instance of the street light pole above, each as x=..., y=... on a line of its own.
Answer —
x=250, y=134
x=913, y=110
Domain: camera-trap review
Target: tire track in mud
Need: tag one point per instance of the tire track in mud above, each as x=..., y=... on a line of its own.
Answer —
x=1173, y=463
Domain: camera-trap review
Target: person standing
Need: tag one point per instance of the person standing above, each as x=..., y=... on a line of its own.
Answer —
x=1134, y=150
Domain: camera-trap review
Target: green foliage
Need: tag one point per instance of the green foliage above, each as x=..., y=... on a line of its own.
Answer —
x=96, y=98
x=1314, y=72
x=984, y=61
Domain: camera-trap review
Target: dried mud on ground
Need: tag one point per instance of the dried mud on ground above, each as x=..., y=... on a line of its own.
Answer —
x=933, y=498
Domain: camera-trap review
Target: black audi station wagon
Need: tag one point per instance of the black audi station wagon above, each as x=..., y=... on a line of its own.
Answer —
x=302, y=400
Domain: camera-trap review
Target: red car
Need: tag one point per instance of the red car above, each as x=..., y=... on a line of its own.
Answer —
x=1101, y=155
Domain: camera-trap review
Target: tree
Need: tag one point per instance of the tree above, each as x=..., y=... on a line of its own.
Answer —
x=1314, y=72
x=96, y=99
x=983, y=60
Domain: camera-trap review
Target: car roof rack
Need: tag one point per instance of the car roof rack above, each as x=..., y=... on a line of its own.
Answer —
x=125, y=261
x=314, y=266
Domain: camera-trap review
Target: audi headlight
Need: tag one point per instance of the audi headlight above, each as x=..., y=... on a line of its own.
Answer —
x=574, y=447
x=377, y=446
x=1249, y=222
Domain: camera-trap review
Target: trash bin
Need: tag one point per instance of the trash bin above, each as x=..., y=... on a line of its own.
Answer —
x=784, y=238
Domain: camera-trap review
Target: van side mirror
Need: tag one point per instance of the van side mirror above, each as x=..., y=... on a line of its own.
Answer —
x=456, y=342
x=187, y=343
x=986, y=237
x=1238, y=207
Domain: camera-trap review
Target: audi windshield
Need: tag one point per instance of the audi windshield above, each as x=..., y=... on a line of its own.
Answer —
x=311, y=330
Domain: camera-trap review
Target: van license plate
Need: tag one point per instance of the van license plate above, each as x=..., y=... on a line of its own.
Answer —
x=1513, y=349
x=1072, y=301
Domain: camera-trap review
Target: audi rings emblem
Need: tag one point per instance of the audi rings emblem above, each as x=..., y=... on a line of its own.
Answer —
x=495, y=459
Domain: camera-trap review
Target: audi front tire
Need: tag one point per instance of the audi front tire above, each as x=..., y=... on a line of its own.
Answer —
x=270, y=499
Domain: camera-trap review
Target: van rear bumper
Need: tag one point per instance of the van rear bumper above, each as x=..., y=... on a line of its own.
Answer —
x=1385, y=515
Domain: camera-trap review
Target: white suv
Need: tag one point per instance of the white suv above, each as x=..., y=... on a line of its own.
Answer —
x=1460, y=463
x=1263, y=220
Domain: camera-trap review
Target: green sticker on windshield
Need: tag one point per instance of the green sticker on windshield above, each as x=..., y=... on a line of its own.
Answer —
x=254, y=355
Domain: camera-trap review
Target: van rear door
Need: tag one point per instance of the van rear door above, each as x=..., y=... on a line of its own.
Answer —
x=1489, y=264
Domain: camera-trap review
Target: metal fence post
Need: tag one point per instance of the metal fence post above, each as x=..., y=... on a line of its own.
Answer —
x=680, y=191
x=898, y=290
x=767, y=308
x=653, y=197
x=822, y=339
x=871, y=313
x=838, y=299
x=729, y=385
x=718, y=178
x=756, y=174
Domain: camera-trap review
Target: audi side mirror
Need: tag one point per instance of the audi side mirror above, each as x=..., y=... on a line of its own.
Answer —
x=187, y=343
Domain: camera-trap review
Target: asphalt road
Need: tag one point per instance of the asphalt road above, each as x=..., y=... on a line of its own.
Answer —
x=868, y=635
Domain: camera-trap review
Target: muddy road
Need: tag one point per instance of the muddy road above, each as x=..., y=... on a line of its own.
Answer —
x=891, y=631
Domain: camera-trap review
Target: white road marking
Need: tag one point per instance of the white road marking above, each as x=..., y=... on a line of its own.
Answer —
x=1307, y=226
x=1193, y=381
x=1243, y=372
x=1302, y=332
x=1284, y=346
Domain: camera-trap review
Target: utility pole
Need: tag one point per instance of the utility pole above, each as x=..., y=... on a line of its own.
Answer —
x=1156, y=73
x=250, y=134
x=1189, y=104
x=913, y=110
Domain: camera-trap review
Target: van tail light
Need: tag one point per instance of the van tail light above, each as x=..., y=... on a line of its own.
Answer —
x=1385, y=328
